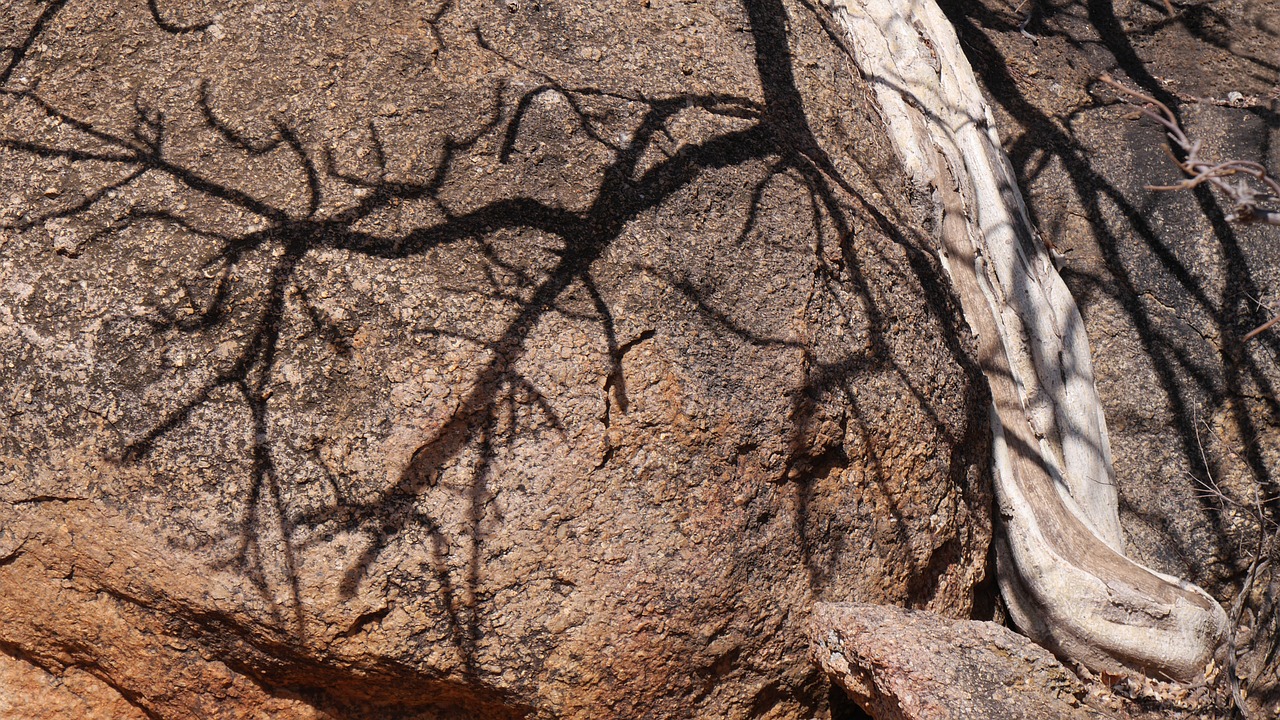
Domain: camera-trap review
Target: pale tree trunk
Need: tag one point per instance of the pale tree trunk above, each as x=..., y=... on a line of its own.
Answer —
x=1062, y=568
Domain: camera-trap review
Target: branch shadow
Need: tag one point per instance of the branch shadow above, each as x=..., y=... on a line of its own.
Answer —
x=251, y=281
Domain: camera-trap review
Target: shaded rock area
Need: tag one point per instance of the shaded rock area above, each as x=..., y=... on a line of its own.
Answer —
x=1167, y=287
x=447, y=360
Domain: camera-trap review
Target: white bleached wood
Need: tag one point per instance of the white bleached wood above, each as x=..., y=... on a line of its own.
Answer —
x=1062, y=566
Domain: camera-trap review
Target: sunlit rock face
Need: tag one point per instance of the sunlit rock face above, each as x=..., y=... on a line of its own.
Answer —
x=509, y=360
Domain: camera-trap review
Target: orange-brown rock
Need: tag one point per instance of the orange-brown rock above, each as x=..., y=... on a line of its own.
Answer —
x=905, y=665
x=525, y=359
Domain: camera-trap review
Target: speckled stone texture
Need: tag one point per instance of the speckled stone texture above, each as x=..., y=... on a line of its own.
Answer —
x=28, y=692
x=492, y=360
x=905, y=665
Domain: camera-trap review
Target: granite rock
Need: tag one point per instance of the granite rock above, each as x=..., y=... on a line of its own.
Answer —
x=522, y=359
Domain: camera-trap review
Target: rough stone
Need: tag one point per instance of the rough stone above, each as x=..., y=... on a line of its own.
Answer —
x=526, y=359
x=29, y=693
x=914, y=665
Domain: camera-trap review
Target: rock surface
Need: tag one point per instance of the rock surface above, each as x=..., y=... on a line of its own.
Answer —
x=524, y=359
x=28, y=692
x=905, y=665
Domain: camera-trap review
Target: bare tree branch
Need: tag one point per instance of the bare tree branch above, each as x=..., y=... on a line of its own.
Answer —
x=1244, y=195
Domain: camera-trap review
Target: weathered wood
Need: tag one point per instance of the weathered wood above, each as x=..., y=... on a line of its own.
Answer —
x=1062, y=566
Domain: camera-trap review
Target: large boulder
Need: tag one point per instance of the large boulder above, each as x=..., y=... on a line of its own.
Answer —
x=493, y=360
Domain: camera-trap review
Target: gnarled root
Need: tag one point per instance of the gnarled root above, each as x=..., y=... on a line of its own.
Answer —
x=1062, y=567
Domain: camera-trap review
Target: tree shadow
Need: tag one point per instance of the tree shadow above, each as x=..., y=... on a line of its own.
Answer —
x=250, y=281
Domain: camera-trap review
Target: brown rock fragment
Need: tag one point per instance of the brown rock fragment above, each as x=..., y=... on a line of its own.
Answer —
x=916, y=665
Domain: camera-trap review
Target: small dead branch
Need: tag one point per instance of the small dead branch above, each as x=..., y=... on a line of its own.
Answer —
x=1246, y=183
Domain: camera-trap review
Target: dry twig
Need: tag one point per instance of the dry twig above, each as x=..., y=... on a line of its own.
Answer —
x=1245, y=195
x=1230, y=176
